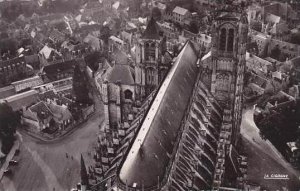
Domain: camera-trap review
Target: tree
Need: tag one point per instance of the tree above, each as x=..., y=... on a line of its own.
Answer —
x=93, y=60
x=8, y=45
x=256, y=26
x=295, y=38
x=194, y=27
x=12, y=11
x=80, y=86
x=9, y=120
x=156, y=14
x=275, y=53
x=105, y=34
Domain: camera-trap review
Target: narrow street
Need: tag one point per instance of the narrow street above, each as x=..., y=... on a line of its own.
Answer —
x=264, y=159
x=45, y=166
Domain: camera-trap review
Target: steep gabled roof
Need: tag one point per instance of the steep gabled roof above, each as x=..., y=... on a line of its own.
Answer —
x=119, y=73
x=43, y=112
x=7, y=91
x=21, y=100
x=152, y=30
x=147, y=160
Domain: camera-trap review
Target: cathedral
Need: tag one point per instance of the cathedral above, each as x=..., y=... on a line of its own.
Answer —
x=186, y=134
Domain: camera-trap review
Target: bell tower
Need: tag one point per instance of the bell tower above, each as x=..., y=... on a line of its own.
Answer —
x=228, y=61
x=149, y=67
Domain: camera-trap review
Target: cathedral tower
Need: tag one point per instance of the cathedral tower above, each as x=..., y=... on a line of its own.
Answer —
x=150, y=69
x=224, y=73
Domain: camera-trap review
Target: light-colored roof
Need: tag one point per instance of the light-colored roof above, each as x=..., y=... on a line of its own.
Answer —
x=78, y=18
x=161, y=6
x=126, y=35
x=292, y=146
x=46, y=51
x=206, y=56
x=204, y=38
x=255, y=59
x=119, y=56
x=116, y=5
x=61, y=113
x=180, y=10
x=27, y=80
x=131, y=25
x=116, y=39
x=93, y=41
x=273, y=18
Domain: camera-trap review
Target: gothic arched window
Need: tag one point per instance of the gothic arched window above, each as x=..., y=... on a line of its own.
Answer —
x=146, y=51
x=223, y=39
x=150, y=51
x=230, y=40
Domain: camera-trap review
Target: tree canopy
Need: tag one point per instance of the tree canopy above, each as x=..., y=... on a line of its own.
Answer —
x=194, y=28
x=8, y=45
x=9, y=121
x=295, y=38
x=156, y=14
x=80, y=86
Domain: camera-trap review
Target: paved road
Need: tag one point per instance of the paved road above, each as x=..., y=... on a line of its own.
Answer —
x=264, y=159
x=9, y=157
x=45, y=167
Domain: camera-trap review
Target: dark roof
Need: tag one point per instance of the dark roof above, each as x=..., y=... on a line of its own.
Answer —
x=228, y=16
x=7, y=91
x=259, y=80
x=119, y=56
x=120, y=73
x=152, y=30
x=296, y=61
x=232, y=171
x=48, y=95
x=55, y=35
x=64, y=101
x=42, y=110
x=64, y=66
x=21, y=100
x=149, y=155
x=88, y=28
